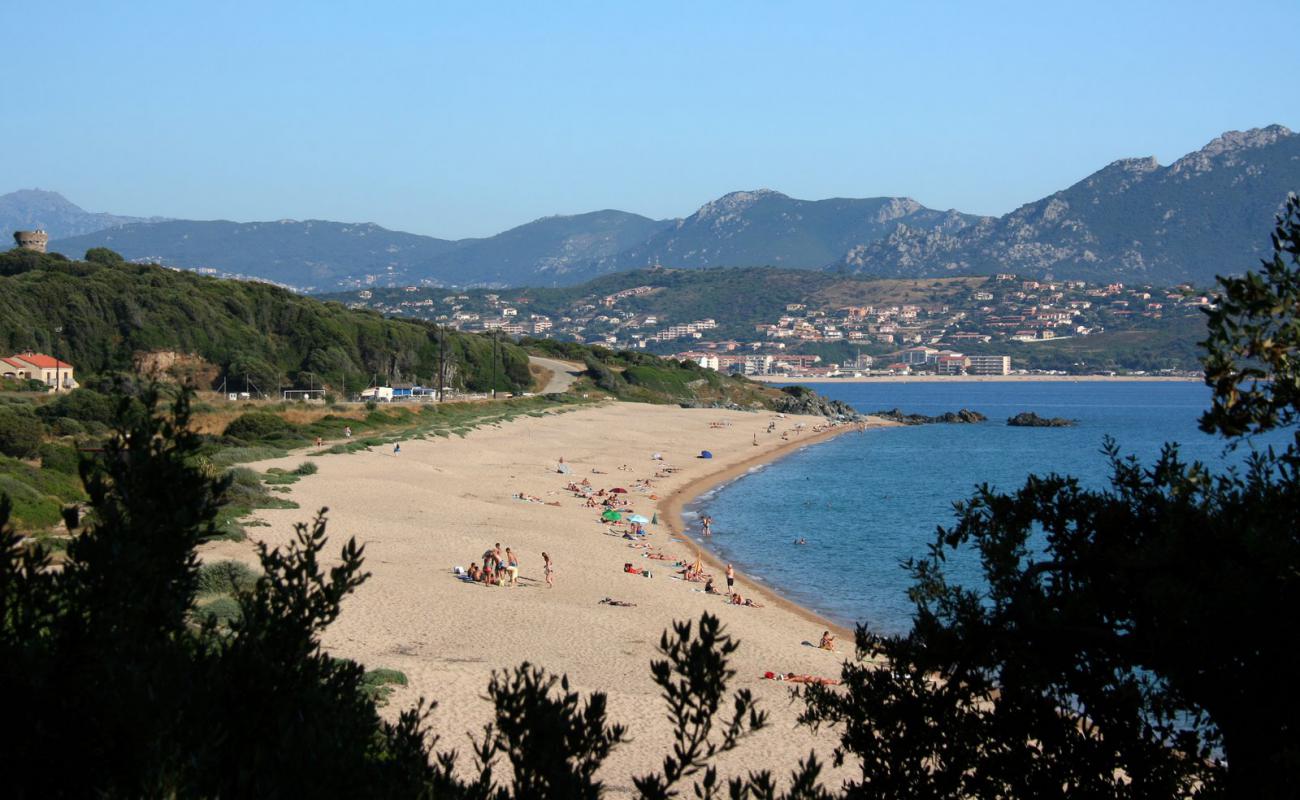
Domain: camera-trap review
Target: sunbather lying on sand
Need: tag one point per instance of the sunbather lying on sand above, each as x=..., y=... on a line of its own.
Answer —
x=790, y=677
x=737, y=600
x=609, y=601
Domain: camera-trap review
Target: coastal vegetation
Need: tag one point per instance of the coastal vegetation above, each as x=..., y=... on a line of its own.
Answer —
x=105, y=315
x=641, y=377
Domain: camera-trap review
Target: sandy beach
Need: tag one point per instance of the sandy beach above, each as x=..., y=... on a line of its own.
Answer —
x=443, y=502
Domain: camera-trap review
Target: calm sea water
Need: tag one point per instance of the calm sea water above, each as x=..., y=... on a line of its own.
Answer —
x=867, y=501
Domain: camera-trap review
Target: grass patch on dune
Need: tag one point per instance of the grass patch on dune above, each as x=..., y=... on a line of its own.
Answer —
x=218, y=585
x=378, y=683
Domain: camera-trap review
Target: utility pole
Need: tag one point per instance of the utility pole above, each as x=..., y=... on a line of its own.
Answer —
x=442, y=360
x=58, y=377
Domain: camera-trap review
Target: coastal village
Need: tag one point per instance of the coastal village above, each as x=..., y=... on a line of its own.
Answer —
x=974, y=332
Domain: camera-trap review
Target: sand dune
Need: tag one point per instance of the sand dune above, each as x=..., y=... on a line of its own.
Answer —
x=443, y=502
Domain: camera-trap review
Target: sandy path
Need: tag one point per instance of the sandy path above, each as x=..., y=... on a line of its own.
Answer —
x=443, y=502
x=563, y=374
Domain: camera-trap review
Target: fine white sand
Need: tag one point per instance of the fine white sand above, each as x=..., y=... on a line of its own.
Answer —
x=442, y=502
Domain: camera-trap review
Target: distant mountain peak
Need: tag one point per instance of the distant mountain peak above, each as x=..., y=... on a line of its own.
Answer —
x=737, y=202
x=1227, y=148
x=1135, y=166
x=1240, y=140
x=897, y=208
x=56, y=214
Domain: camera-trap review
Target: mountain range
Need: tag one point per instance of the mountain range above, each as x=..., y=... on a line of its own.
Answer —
x=1208, y=213
x=1134, y=220
x=37, y=209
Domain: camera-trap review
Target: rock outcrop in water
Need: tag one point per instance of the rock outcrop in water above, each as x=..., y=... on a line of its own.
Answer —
x=809, y=402
x=964, y=416
x=1028, y=419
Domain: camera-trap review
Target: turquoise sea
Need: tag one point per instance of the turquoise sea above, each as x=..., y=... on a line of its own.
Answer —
x=865, y=502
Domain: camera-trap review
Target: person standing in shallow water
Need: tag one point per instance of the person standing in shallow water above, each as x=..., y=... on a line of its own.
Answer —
x=706, y=523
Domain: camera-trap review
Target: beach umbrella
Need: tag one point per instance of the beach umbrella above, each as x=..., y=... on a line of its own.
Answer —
x=611, y=516
x=705, y=454
x=618, y=490
x=563, y=469
x=655, y=519
x=638, y=519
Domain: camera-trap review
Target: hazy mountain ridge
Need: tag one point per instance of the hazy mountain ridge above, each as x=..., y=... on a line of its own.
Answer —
x=544, y=251
x=307, y=254
x=1207, y=213
x=38, y=209
x=765, y=227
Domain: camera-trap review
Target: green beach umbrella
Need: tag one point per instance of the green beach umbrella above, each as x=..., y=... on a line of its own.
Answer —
x=611, y=516
x=654, y=519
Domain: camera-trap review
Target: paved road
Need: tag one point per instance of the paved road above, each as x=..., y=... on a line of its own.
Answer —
x=563, y=373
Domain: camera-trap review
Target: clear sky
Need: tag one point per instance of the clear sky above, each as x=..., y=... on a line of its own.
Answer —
x=463, y=119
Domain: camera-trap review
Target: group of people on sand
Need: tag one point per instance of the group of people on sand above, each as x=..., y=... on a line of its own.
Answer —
x=501, y=568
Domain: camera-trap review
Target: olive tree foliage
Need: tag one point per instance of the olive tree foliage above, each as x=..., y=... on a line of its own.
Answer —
x=1253, y=360
x=1128, y=642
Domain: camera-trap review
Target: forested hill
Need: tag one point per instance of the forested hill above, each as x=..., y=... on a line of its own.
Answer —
x=103, y=315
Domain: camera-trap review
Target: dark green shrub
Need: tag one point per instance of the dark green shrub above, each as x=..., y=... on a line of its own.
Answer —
x=83, y=405
x=60, y=458
x=378, y=683
x=225, y=577
x=102, y=255
x=255, y=426
x=221, y=610
x=66, y=426
x=21, y=432
x=306, y=468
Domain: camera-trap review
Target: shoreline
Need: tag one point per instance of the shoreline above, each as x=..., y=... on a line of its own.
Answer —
x=672, y=507
x=797, y=379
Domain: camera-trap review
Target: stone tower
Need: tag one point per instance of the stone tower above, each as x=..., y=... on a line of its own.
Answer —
x=32, y=240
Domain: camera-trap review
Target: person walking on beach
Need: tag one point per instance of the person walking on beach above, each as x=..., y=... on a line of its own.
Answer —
x=347, y=431
x=512, y=566
x=397, y=449
x=548, y=570
x=731, y=579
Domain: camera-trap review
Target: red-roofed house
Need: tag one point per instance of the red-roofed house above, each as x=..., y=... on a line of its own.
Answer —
x=56, y=374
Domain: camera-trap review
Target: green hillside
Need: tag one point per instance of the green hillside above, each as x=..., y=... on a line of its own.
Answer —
x=101, y=315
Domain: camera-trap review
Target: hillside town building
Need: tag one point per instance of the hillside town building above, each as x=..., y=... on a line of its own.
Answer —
x=56, y=374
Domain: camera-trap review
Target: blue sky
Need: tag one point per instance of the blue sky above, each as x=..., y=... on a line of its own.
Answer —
x=463, y=119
